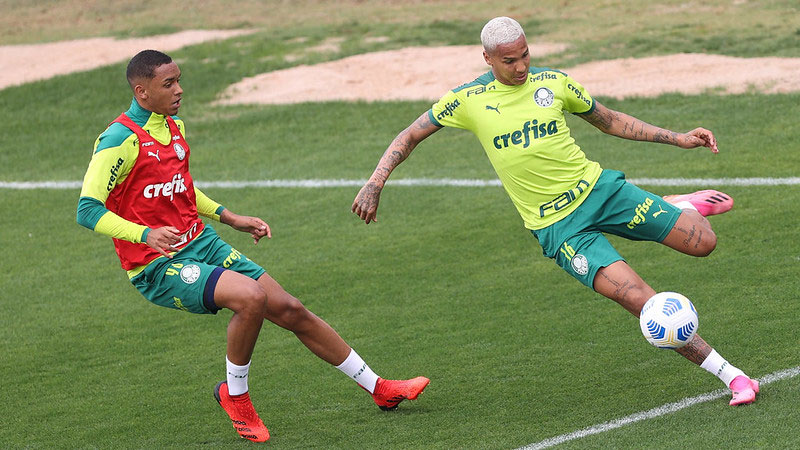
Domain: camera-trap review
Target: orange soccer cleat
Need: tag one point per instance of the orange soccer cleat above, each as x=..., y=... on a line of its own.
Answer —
x=243, y=415
x=389, y=393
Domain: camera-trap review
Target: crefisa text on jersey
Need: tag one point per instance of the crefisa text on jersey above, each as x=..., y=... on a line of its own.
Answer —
x=523, y=136
x=114, y=173
x=168, y=189
x=448, y=109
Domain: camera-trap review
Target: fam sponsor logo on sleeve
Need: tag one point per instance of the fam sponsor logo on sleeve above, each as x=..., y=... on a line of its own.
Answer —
x=480, y=90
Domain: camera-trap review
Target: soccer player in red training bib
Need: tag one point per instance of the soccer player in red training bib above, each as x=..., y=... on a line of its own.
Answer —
x=138, y=190
x=567, y=201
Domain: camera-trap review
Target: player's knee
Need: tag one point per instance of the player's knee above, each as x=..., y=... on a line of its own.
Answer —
x=707, y=243
x=253, y=301
x=636, y=298
x=293, y=314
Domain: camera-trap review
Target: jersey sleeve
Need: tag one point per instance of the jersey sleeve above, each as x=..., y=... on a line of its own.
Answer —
x=110, y=165
x=449, y=112
x=207, y=207
x=577, y=100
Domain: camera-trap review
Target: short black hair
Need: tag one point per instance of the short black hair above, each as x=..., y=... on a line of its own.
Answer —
x=144, y=64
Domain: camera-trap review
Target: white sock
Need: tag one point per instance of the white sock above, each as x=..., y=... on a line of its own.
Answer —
x=355, y=368
x=685, y=205
x=720, y=367
x=237, y=377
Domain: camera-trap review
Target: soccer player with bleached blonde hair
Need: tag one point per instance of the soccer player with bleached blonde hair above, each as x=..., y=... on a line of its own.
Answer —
x=567, y=201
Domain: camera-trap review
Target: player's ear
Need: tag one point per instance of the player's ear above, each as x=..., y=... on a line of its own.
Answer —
x=140, y=92
x=486, y=58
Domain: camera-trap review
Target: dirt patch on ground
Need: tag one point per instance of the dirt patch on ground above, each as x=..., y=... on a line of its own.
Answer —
x=427, y=73
x=422, y=73
x=411, y=73
x=26, y=63
x=414, y=73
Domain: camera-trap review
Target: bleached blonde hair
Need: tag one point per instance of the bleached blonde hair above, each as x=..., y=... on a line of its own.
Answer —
x=498, y=31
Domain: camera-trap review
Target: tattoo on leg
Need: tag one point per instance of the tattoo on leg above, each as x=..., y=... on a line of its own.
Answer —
x=620, y=293
x=696, y=351
x=603, y=274
x=691, y=234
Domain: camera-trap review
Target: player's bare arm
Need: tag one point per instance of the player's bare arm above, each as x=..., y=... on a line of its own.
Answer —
x=366, y=202
x=625, y=126
x=253, y=225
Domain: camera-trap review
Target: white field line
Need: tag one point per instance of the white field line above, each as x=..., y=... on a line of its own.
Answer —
x=322, y=183
x=655, y=412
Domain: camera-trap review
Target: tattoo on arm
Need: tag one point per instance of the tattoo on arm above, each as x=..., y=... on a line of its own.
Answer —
x=369, y=197
x=666, y=137
x=423, y=122
x=635, y=129
x=402, y=145
x=601, y=119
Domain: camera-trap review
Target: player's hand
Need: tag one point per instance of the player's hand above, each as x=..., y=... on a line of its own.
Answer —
x=366, y=202
x=253, y=225
x=699, y=137
x=162, y=239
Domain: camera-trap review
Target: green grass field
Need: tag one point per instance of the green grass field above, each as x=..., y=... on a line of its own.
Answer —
x=447, y=284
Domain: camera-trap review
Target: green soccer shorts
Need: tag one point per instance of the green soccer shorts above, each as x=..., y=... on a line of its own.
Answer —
x=187, y=281
x=614, y=206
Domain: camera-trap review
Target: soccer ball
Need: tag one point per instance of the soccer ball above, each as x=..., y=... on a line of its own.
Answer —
x=668, y=320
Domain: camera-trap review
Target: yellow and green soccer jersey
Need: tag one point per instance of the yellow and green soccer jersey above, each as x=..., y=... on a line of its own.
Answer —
x=525, y=135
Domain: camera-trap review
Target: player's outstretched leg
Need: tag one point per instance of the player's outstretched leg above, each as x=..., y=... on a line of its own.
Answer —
x=243, y=416
x=744, y=388
x=286, y=311
x=619, y=282
x=389, y=393
x=707, y=202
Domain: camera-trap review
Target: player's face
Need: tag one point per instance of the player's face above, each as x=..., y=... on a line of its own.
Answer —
x=162, y=94
x=510, y=62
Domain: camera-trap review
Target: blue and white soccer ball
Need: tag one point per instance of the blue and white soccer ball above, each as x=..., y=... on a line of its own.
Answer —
x=668, y=320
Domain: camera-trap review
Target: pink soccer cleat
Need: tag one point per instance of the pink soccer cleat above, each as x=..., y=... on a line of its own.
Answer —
x=744, y=390
x=708, y=202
